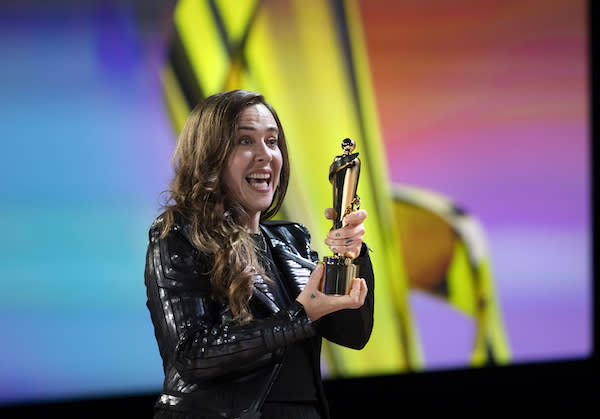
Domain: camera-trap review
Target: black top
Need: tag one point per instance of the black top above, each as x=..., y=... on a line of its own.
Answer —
x=295, y=381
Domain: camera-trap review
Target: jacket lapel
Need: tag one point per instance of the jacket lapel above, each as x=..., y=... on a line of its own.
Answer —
x=289, y=262
x=261, y=292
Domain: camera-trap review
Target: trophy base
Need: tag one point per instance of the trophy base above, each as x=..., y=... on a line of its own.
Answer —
x=339, y=272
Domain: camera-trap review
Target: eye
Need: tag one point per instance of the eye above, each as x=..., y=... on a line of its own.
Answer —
x=244, y=140
x=272, y=142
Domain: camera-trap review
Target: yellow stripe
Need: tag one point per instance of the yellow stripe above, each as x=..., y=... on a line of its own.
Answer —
x=332, y=117
x=236, y=16
x=201, y=40
x=490, y=322
x=236, y=19
x=383, y=207
x=460, y=280
x=177, y=106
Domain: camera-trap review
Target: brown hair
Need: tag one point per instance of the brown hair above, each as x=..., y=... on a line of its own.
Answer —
x=198, y=193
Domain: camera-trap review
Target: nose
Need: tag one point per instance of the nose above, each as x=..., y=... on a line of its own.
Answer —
x=262, y=152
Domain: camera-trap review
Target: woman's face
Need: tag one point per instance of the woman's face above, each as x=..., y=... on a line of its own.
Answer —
x=251, y=172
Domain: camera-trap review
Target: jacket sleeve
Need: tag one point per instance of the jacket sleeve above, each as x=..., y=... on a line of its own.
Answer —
x=352, y=327
x=187, y=322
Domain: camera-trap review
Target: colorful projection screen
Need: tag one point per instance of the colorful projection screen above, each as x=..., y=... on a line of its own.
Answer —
x=471, y=119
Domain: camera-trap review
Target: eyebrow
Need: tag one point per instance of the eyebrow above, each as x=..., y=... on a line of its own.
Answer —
x=252, y=128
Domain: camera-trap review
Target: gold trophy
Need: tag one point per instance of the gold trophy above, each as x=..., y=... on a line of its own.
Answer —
x=343, y=175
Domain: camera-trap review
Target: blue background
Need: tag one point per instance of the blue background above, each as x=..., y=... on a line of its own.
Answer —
x=85, y=155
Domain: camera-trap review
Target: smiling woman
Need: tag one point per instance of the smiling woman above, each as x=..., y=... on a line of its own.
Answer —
x=234, y=297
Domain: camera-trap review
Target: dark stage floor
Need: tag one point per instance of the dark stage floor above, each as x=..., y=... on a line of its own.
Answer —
x=540, y=387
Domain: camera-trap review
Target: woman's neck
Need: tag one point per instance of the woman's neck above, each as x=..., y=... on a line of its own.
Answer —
x=253, y=223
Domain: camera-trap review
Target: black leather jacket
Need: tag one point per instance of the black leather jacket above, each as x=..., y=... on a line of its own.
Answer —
x=217, y=369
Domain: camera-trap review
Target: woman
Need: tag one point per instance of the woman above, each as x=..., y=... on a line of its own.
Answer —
x=234, y=298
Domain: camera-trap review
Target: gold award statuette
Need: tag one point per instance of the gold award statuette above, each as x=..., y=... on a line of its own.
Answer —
x=343, y=175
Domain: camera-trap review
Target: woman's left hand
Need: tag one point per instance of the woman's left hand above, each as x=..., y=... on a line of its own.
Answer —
x=347, y=240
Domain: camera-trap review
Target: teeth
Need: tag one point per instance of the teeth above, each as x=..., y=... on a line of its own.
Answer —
x=259, y=176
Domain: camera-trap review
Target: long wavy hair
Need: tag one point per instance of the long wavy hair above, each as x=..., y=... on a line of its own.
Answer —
x=198, y=193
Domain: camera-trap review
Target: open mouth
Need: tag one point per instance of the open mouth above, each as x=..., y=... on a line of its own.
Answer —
x=259, y=180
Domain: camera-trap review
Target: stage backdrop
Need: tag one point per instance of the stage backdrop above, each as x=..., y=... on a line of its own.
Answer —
x=477, y=107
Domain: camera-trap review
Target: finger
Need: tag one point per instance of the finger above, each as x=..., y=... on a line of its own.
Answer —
x=355, y=217
x=363, y=290
x=342, y=242
x=349, y=241
x=330, y=213
x=360, y=290
x=353, y=297
x=315, y=277
x=350, y=251
x=347, y=232
x=355, y=290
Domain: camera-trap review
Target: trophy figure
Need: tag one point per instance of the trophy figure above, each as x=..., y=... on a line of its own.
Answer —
x=343, y=175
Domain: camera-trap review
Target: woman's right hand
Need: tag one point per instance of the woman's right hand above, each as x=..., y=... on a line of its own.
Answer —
x=317, y=304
